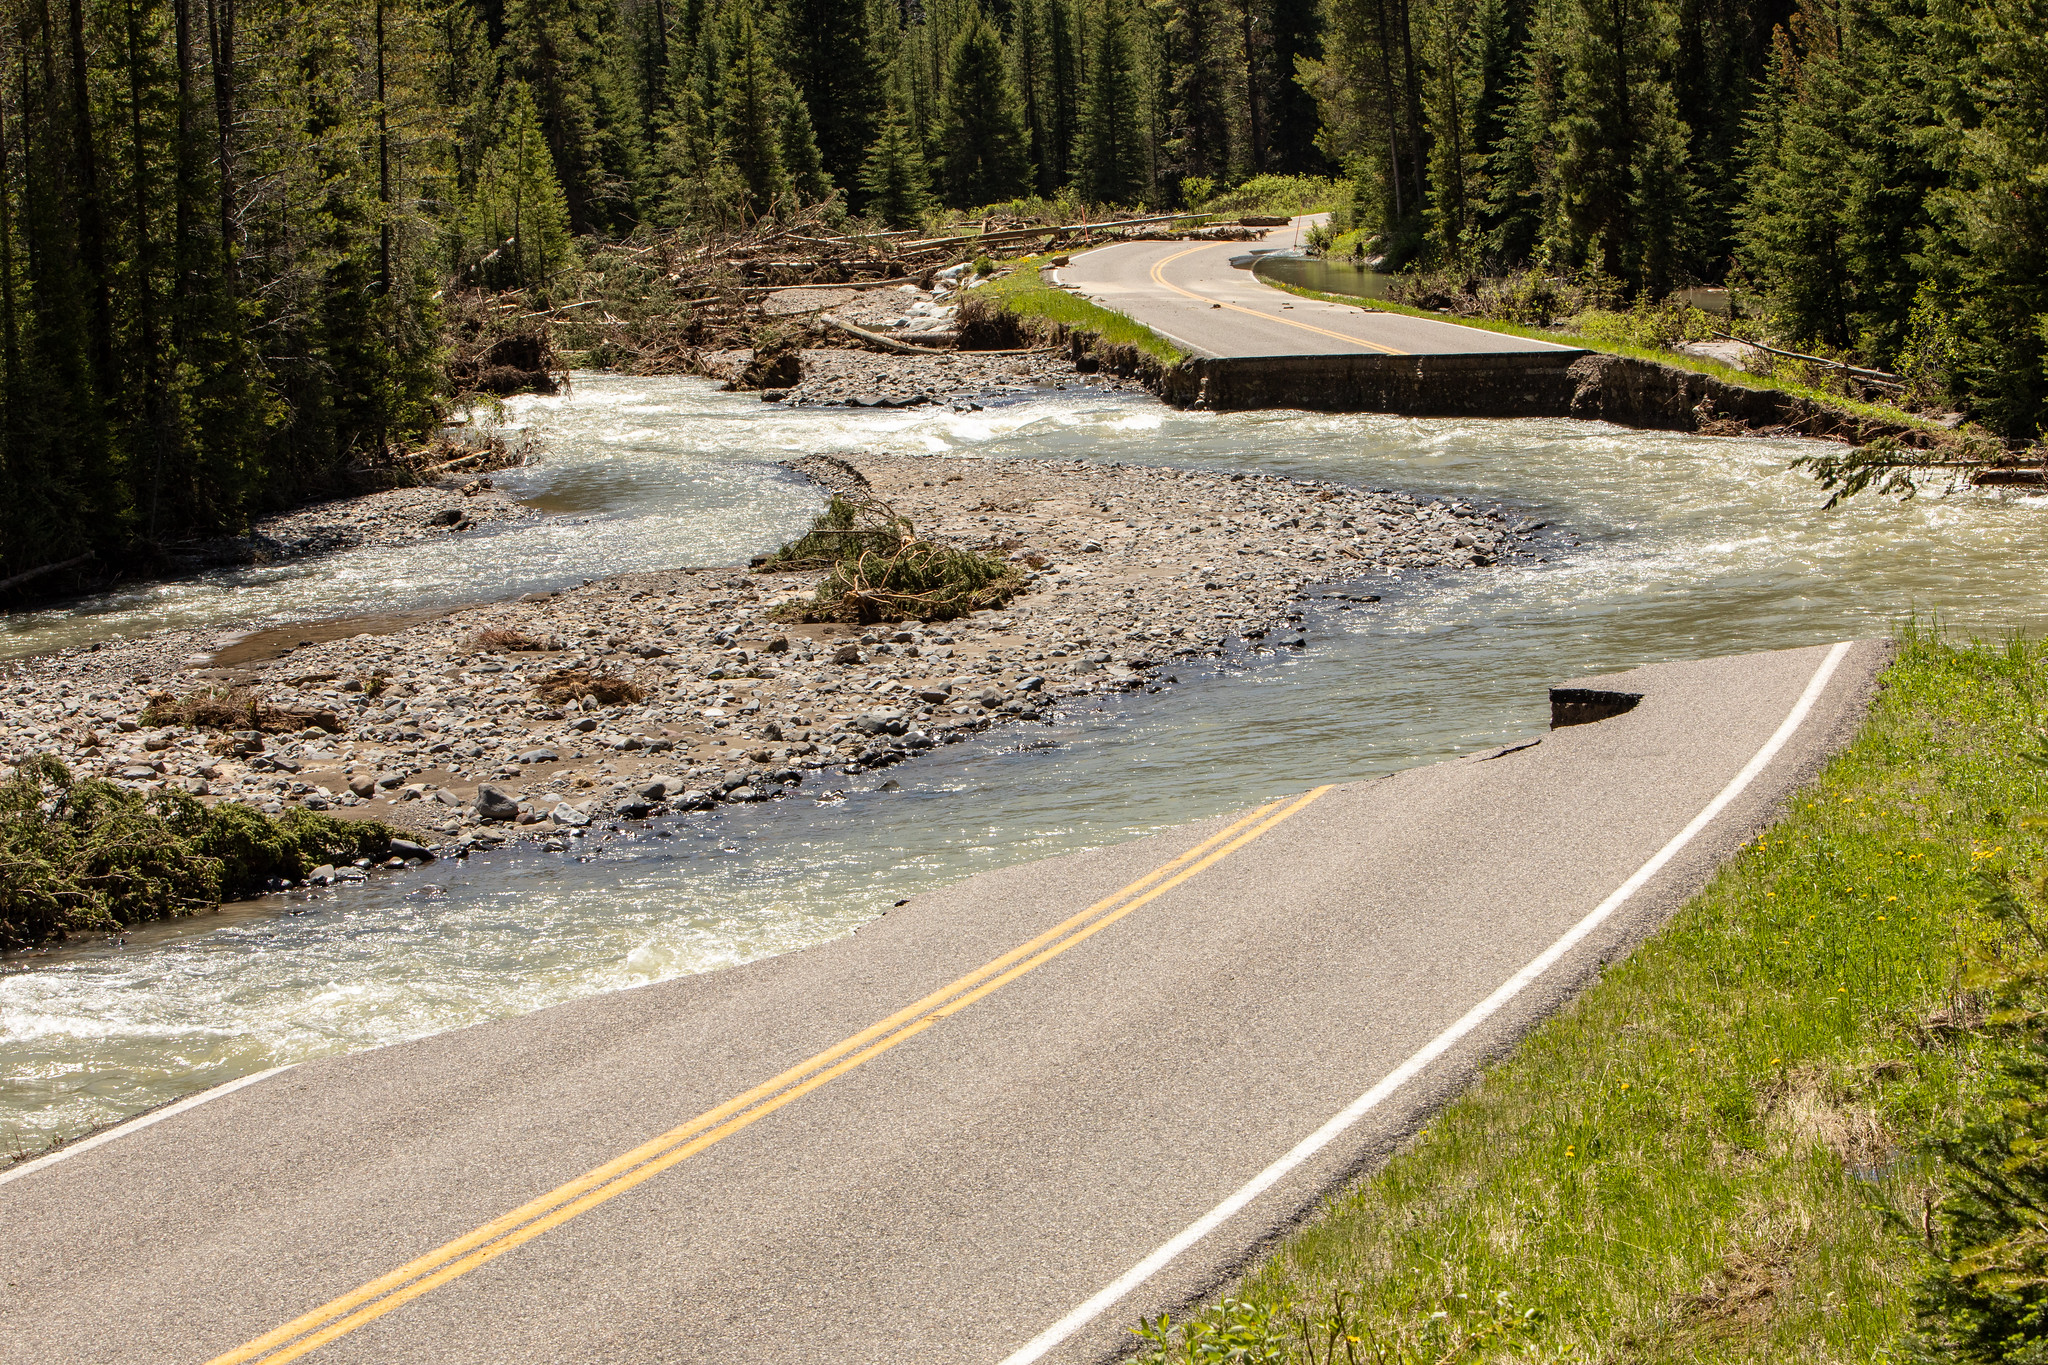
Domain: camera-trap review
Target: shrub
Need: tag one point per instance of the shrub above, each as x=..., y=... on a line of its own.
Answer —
x=1288, y=194
x=93, y=855
x=881, y=571
x=836, y=533
x=1985, y=1297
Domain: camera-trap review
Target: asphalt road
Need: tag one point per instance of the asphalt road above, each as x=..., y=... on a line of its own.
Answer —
x=1193, y=296
x=936, y=1140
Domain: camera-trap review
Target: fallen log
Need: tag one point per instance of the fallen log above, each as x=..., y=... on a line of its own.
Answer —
x=895, y=347
x=878, y=341
x=6, y=583
x=1883, y=377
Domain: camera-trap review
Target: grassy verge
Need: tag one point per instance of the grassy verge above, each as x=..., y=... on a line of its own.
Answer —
x=93, y=856
x=1676, y=359
x=1729, y=1148
x=1023, y=291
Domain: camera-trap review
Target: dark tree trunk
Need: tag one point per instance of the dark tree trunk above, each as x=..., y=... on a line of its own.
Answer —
x=92, y=222
x=220, y=15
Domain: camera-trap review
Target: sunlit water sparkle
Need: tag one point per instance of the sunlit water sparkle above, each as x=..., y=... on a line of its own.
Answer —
x=1661, y=546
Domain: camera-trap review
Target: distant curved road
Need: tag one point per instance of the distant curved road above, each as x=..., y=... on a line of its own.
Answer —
x=1194, y=297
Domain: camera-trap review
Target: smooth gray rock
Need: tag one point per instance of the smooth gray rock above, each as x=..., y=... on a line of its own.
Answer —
x=495, y=805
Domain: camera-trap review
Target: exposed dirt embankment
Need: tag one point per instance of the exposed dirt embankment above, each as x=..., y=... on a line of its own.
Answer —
x=676, y=690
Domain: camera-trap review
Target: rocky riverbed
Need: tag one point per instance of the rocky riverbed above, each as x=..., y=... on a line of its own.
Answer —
x=919, y=315
x=675, y=691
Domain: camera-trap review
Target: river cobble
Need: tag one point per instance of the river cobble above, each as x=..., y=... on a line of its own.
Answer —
x=443, y=731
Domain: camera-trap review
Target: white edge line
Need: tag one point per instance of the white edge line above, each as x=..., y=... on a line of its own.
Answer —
x=1144, y=1270
x=136, y=1124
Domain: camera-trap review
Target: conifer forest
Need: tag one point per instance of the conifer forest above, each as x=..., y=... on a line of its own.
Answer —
x=232, y=231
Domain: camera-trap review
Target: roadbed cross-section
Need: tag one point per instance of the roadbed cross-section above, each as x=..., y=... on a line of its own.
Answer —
x=950, y=1196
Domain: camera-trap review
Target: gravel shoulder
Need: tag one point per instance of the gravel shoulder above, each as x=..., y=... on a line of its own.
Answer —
x=1128, y=570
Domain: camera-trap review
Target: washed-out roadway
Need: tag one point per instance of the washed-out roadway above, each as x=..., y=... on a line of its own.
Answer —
x=936, y=1139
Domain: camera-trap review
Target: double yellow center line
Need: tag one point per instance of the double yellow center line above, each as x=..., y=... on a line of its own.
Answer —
x=422, y=1275
x=1159, y=278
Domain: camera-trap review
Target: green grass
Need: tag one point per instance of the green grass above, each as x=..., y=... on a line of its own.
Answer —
x=1611, y=345
x=1023, y=291
x=1292, y=195
x=1721, y=1151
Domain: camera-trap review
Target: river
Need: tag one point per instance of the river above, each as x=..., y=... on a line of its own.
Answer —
x=1660, y=546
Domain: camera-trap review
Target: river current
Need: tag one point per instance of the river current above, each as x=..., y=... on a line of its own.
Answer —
x=1659, y=546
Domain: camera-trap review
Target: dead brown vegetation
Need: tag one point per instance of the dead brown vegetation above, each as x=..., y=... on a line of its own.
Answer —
x=233, y=708
x=566, y=685
x=504, y=640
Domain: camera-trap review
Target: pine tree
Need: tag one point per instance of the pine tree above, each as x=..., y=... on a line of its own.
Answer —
x=1454, y=165
x=1624, y=195
x=1294, y=35
x=894, y=179
x=557, y=50
x=698, y=185
x=1987, y=238
x=824, y=47
x=517, y=220
x=750, y=115
x=1201, y=57
x=1109, y=165
x=982, y=145
x=801, y=160
x=1030, y=77
x=1065, y=73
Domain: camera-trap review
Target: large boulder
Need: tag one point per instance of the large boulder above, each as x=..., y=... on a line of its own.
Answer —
x=495, y=805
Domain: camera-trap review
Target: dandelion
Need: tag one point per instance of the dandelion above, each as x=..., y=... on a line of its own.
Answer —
x=1774, y=1061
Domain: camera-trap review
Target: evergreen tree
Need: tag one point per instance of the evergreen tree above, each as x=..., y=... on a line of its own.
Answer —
x=750, y=115
x=698, y=184
x=557, y=51
x=1622, y=179
x=1031, y=78
x=1455, y=168
x=1109, y=153
x=516, y=224
x=1289, y=123
x=1065, y=72
x=1203, y=72
x=801, y=160
x=894, y=180
x=982, y=145
x=825, y=49
x=1987, y=242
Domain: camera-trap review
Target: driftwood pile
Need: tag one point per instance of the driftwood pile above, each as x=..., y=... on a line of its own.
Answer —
x=653, y=305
